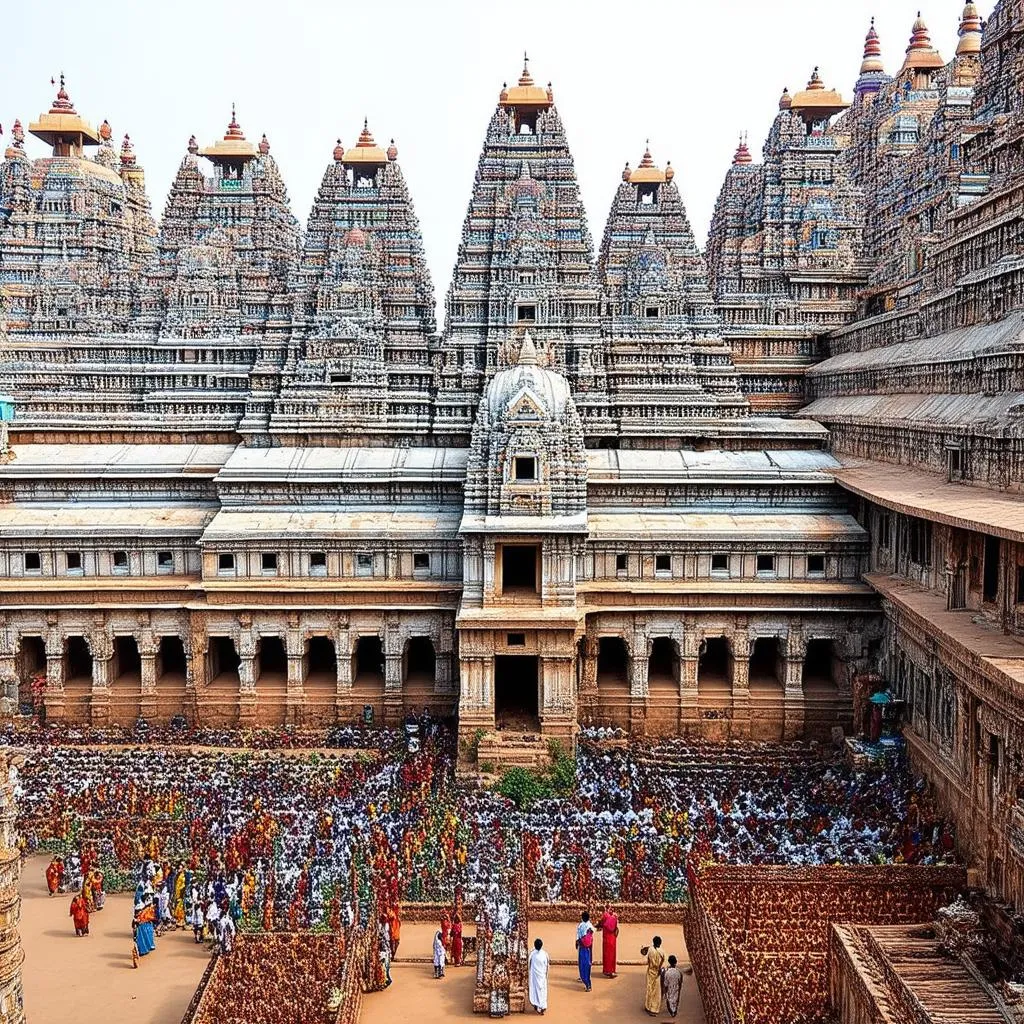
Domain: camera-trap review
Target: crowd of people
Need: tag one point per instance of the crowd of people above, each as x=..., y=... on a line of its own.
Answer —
x=227, y=840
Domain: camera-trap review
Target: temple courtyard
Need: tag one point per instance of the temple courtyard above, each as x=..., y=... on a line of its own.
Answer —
x=91, y=980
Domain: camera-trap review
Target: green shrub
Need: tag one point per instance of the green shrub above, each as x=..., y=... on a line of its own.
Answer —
x=563, y=769
x=525, y=787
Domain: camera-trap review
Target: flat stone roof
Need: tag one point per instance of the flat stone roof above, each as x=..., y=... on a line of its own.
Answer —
x=642, y=465
x=99, y=460
x=953, y=413
x=367, y=525
x=929, y=496
x=639, y=524
x=84, y=521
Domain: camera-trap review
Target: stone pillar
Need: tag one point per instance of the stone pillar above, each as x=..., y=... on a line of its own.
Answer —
x=295, y=698
x=639, y=647
x=12, y=1010
x=557, y=707
x=739, y=645
x=196, y=644
x=343, y=656
x=8, y=670
x=796, y=652
x=588, y=696
x=101, y=646
x=394, y=648
x=444, y=645
x=149, y=699
x=246, y=678
x=54, y=696
x=476, y=697
x=689, y=665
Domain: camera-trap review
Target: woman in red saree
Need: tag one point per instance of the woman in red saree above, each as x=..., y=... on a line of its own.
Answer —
x=608, y=926
x=457, y=941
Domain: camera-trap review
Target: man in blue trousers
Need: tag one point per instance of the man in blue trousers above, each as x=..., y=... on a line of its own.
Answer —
x=585, y=946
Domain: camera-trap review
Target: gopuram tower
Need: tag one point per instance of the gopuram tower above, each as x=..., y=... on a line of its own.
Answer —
x=525, y=262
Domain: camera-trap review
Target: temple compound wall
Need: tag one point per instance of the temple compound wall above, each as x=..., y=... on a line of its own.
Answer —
x=758, y=937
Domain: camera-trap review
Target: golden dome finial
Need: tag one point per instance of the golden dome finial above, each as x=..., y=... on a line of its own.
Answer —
x=647, y=160
x=970, y=31
x=742, y=155
x=921, y=55
x=525, y=78
x=872, y=61
x=785, y=100
x=339, y=151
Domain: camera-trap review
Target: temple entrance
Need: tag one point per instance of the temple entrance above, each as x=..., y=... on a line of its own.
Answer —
x=819, y=675
x=519, y=569
x=125, y=680
x=31, y=663
x=320, y=686
x=516, y=692
x=171, y=678
x=766, y=666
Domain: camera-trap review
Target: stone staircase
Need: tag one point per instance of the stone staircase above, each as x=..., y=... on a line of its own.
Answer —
x=503, y=750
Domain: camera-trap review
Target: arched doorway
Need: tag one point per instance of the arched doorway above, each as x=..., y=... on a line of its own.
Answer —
x=125, y=680
x=271, y=673
x=77, y=678
x=220, y=701
x=368, y=673
x=663, y=664
x=714, y=675
x=766, y=667
x=320, y=685
x=31, y=666
x=171, y=673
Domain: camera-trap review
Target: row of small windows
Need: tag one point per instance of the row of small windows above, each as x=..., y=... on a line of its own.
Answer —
x=317, y=563
x=720, y=564
x=73, y=561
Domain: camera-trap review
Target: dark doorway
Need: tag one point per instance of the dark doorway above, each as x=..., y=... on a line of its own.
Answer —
x=127, y=663
x=224, y=660
x=764, y=662
x=78, y=659
x=663, y=664
x=713, y=666
x=612, y=661
x=420, y=659
x=819, y=665
x=516, y=686
x=271, y=659
x=519, y=568
x=990, y=576
x=170, y=659
x=369, y=660
x=32, y=663
x=321, y=658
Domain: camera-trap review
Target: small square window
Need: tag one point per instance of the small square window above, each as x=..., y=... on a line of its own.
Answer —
x=766, y=563
x=341, y=378
x=165, y=561
x=525, y=467
x=621, y=562
x=526, y=313
x=74, y=561
x=120, y=561
x=225, y=562
x=421, y=561
x=651, y=312
x=662, y=563
x=268, y=561
x=516, y=640
x=364, y=564
x=318, y=563
x=33, y=563
x=815, y=565
x=720, y=563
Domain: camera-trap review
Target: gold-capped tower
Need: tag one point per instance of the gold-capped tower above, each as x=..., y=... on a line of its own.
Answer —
x=365, y=151
x=647, y=171
x=63, y=128
x=526, y=94
x=234, y=150
x=816, y=104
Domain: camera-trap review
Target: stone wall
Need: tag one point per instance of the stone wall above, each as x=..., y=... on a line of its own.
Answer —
x=759, y=936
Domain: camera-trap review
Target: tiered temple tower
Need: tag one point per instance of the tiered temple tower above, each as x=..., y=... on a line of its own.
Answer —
x=358, y=365
x=525, y=262
x=785, y=251
x=670, y=375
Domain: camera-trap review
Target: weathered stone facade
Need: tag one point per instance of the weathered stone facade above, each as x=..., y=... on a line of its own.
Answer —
x=269, y=492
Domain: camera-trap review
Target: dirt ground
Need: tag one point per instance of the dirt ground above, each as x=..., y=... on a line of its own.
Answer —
x=91, y=981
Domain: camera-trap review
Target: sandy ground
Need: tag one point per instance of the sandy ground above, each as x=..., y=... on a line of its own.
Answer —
x=91, y=981
x=416, y=998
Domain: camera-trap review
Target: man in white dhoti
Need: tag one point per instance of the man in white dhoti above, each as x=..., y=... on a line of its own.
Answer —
x=539, y=962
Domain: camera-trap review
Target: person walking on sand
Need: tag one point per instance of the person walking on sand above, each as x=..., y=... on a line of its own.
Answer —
x=80, y=915
x=655, y=962
x=585, y=947
x=672, y=985
x=539, y=964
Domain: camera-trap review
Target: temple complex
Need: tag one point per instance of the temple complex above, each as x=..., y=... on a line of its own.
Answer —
x=726, y=493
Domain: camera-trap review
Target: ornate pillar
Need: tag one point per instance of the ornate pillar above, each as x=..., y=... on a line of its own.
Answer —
x=796, y=652
x=444, y=644
x=101, y=646
x=295, y=698
x=639, y=647
x=739, y=645
x=689, y=664
x=343, y=658
x=54, y=696
x=394, y=645
x=588, y=696
x=8, y=668
x=149, y=701
x=476, y=696
x=557, y=707
x=246, y=677
x=196, y=642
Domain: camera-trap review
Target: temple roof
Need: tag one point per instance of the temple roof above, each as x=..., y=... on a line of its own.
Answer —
x=366, y=150
x=816, y=103
x=234, y=145
x=648, y=171
x=872, y=61
x=62, y=121
x=526, y=93
x=921, y=55
x=970, y=31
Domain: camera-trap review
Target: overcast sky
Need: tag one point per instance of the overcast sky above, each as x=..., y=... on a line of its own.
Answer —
x=689, y=75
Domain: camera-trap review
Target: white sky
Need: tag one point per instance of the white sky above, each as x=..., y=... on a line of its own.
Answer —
x=689, y=75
